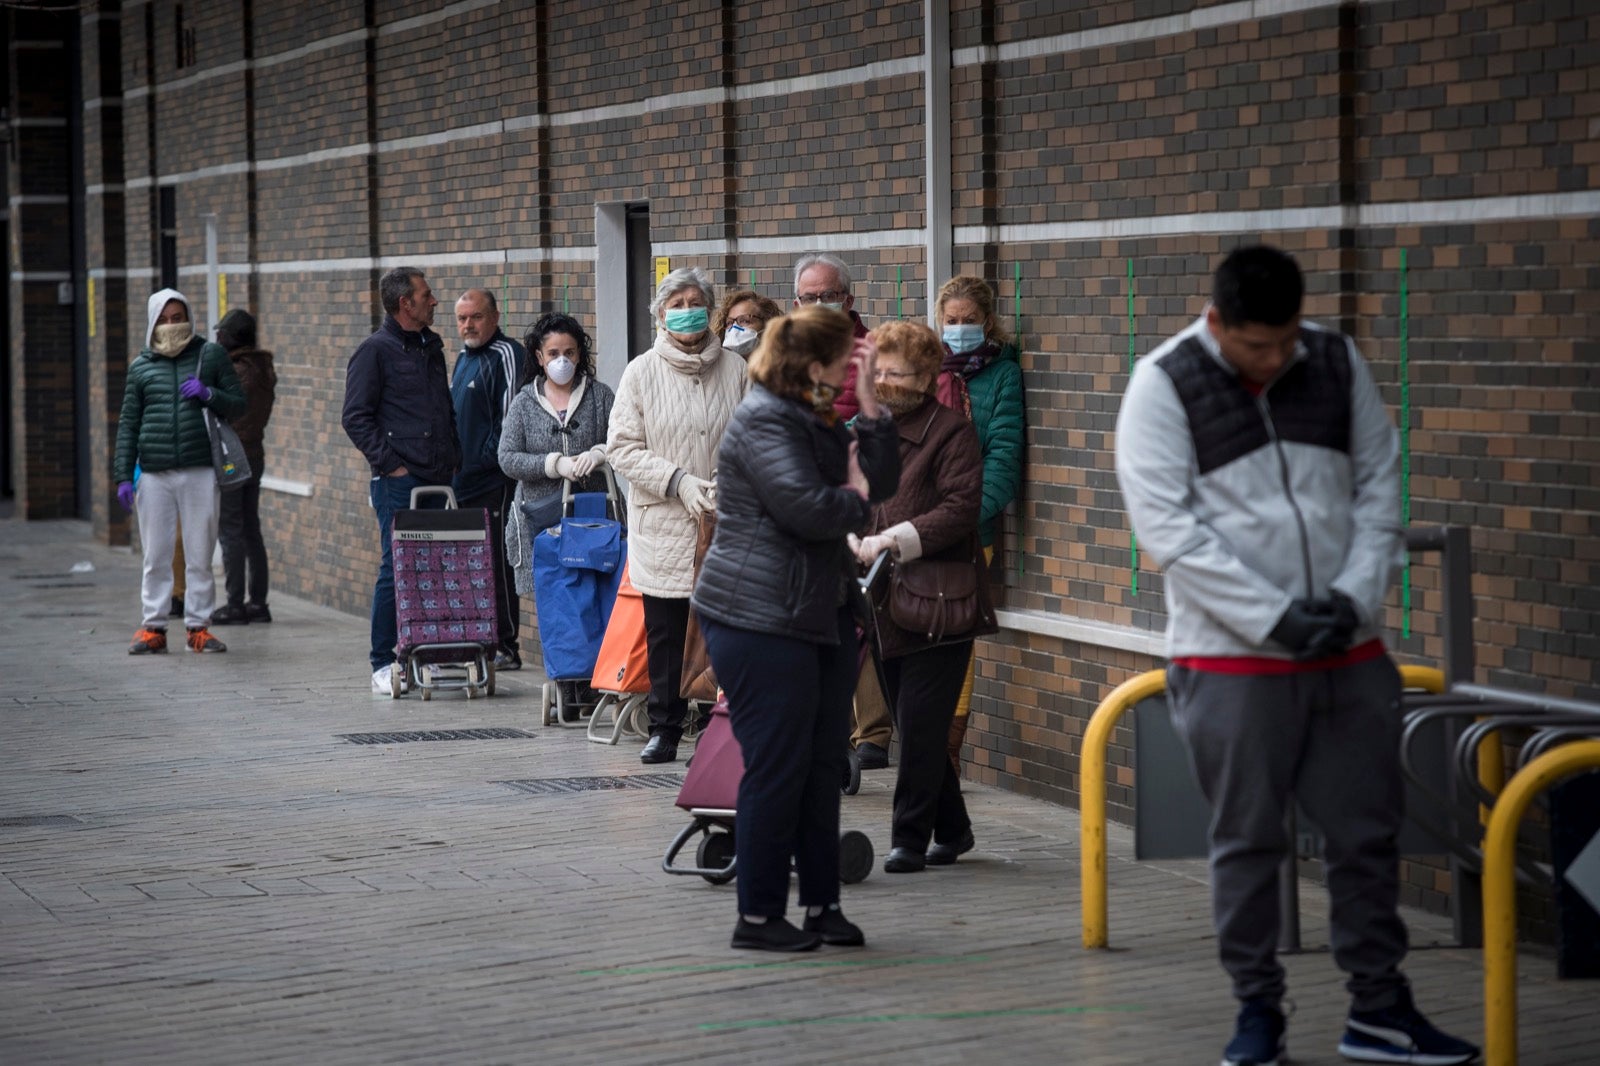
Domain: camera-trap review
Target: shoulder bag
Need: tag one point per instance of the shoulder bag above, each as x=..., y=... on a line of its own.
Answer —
x=943, y=601
x=227, y=453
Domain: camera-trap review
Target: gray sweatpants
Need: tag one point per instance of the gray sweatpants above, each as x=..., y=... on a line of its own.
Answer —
x=163, y=498
x=1331, y=739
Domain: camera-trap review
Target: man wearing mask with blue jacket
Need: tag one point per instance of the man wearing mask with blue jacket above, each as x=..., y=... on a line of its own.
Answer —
x=397, y=410
x=482, y=387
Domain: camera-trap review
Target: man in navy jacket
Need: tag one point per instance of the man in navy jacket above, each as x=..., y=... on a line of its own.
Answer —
x=397, y=410
x=487, y=375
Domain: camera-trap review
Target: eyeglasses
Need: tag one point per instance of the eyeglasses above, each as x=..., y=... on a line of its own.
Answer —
x=894, y=375
x=749, y=321
x=827, y=296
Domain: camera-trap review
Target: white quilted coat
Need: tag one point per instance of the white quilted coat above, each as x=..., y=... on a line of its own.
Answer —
x=670, y=411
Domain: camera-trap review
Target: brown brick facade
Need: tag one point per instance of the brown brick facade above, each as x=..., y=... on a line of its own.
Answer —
x=477, y=138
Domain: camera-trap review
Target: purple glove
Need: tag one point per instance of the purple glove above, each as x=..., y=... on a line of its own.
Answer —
x=194, y=390
x=125, y=495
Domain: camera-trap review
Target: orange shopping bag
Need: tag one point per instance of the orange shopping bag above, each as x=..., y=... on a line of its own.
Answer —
x=623, y=663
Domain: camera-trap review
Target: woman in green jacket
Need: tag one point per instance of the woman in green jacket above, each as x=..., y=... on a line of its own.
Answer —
x=975, y=348
x=163, y=430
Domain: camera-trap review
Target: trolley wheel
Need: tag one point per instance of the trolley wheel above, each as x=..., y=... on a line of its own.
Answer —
x=488, y=684
x=852, y=774
x=544, y=703
x=855, y=856
x=427, y=694
x=397, y=679
x=716, y=852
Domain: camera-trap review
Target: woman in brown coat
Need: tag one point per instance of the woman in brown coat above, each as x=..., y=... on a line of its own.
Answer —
x=934, y=515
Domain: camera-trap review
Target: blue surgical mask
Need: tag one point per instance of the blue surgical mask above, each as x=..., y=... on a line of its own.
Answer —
x=688, y=319
x=963, y=339
x=832, y=307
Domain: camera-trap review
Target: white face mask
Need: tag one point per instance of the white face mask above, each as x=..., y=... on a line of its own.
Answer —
x=560, y=369
x=171, y=338
x=739, y=340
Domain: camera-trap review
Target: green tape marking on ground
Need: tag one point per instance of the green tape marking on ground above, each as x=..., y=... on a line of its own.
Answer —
x=1405, y=444
x=928, y=1016
x=1133, y=538
x=797, y=964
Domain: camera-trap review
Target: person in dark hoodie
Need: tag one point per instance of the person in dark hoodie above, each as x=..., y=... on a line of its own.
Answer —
x=162, y=429
x=397, y=410
x=488, y=370
x=244, y=553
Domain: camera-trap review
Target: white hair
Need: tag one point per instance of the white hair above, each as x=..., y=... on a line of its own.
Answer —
x=676, y=282
x=811, y=259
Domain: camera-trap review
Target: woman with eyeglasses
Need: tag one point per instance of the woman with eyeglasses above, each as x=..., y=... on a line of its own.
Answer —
x=740, y=318
x=554, y=430
x=976, y=351
x=773, y=601
x=933, y=515
x=673, y=403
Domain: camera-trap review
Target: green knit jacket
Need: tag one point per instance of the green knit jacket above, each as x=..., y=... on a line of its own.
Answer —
x=159, y=429
x=999, y=417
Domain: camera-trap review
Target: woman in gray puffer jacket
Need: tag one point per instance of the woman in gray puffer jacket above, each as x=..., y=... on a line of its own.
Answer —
x=555, y=430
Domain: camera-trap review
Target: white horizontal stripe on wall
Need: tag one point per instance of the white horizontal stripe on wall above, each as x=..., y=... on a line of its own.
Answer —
x=1143, y=30
x=1082, y=631
x=284, y=485
x=52, y=277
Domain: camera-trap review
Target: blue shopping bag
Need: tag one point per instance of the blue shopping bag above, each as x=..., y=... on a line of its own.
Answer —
x=591, y=544
x=573, y=606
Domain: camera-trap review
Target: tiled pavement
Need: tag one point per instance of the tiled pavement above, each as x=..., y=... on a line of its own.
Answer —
x=237, y=884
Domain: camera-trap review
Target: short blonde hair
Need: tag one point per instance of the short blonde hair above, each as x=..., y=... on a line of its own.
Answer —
x=791, y=343
x=967, y=287
x=766, y=307
x=914, y=342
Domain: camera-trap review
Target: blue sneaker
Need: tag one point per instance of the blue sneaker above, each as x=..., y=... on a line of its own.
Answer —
x=1257, y=1036
x=1401, y=1034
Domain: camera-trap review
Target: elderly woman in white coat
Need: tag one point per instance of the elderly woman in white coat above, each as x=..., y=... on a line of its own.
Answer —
x=671, y=408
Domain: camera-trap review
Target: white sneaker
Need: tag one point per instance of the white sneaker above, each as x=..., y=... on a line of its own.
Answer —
x=381, y=683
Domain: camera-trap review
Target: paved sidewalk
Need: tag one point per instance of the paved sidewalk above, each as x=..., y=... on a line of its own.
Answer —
x=220, y=878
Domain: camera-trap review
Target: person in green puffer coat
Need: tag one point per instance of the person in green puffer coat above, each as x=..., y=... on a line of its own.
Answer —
x=976, y=349
x=163, y=430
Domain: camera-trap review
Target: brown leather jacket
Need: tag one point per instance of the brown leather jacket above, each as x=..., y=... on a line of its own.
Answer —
x=260, y=381
x=941, y=492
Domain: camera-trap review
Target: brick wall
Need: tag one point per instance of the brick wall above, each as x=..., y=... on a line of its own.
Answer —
x=1084, y=136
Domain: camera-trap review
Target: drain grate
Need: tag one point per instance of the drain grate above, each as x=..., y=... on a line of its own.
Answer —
x=30, y=820
x=561, y=786
x=412, y=736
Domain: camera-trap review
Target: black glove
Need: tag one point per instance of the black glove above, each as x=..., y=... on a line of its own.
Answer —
x=1313, y=629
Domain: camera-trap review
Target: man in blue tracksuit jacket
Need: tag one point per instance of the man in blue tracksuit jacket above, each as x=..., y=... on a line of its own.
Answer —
x=488, y=373
x=397, y=411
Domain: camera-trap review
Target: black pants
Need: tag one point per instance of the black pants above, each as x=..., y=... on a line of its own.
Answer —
x=666, y=624
x=239, y=530
x=923, y=689
x=789, y=705
x=507, y=604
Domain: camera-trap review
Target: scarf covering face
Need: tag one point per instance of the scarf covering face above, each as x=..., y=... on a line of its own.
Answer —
x=899, y=399
x=172, y=338
x=969, y=364
x=821, y=396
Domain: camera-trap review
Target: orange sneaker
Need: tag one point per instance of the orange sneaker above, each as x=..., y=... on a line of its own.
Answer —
x=147, y=641
x=201, y=640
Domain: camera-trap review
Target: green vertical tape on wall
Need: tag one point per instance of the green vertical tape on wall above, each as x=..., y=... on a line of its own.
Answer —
x=1133, y=538
x=752, y=277
x=1016, y=338
x=1405, y=441
x=505, y=294
x=899, y=291
x=566, y=285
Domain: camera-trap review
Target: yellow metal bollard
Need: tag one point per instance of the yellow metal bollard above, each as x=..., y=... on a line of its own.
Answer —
x=1092, y=796
x=1092, y=784
x=1500, y=892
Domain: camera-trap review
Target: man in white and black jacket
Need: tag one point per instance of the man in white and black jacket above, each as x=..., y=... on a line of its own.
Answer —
x=488, y=370
x=397, y=411
x=1258, y=465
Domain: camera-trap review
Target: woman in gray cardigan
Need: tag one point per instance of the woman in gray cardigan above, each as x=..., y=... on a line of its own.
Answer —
x=555, y=430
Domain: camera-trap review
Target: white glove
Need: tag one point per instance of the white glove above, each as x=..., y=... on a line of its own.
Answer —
x=871, y=547
x=566, y=468
x=697, y=495
x=583, y=464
